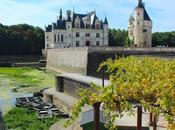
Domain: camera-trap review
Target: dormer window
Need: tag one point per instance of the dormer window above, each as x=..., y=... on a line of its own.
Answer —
x=88, y=26
x=77, y=22
x=77, y=25
x=97, y=24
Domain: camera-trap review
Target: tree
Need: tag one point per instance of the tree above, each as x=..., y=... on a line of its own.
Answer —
x=21, y=39
x=149, y=82
x=163, y=39
x=117, y=37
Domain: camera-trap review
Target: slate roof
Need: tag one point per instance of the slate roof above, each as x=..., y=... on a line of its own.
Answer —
x=61, y=22
x=141, y=5
x=49, y=28
x=106, y=21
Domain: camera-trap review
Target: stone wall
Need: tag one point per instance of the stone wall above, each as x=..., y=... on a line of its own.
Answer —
x=86, y=60
x=73, y=60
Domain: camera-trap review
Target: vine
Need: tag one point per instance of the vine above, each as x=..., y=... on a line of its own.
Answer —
x=147, y=81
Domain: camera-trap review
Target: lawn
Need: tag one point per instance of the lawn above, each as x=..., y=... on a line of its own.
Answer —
x=21, y=119
x=28, y=79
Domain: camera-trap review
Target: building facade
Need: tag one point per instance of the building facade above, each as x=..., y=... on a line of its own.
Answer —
x=77, y=30
x=140, y=27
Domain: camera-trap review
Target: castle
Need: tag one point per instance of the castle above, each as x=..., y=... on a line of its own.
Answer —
x=140, y=27
x=77, y=30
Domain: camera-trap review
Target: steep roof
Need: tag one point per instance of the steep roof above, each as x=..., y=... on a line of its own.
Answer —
x=146, y=16
x=142, y=5
x=106, y=21
x=61, y=22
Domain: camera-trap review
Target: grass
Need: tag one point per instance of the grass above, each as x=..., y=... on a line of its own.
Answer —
x=28, y=79
x=20, y=119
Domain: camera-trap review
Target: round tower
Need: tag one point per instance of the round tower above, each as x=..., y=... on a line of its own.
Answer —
x=140, y=27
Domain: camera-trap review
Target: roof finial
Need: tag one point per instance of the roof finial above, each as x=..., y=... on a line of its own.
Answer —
x=105, y=21
x=139, y=2
x=73, y=9
x=61, y=16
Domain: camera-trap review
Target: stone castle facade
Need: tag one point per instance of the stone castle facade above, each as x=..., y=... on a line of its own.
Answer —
x=140, y=27
x=77, y=30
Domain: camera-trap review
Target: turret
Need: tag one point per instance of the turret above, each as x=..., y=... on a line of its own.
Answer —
x=105, y=24
x=61, y=15
x=68, y=20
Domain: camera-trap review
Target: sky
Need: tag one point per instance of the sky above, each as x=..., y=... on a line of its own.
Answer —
x=44, y=12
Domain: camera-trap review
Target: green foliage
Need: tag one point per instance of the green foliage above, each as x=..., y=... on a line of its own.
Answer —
x=163, y=39
x=21, y=39
x=21, y=119
x=117, y=37
x=147, y=81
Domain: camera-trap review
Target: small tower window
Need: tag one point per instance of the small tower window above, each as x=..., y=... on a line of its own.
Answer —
x=138, y=23
x=138, y=13
x=144, y=30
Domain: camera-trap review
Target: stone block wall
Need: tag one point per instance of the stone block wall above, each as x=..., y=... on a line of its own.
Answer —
x=86, y=60
x=70, y=60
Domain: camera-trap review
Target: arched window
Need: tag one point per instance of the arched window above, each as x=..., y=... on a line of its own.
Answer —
x=88, y=43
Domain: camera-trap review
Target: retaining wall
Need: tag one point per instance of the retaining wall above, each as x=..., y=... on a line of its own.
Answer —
x=85, y=60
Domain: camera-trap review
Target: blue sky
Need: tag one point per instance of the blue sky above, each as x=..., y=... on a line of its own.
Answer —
x=43, y=12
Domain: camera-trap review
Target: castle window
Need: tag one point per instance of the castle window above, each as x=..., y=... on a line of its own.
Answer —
x=138, y=14
x=98, y=35
x=77, y=25
x=138, y=23
x=69, y=35
x=88, y=43
x=97, y=43
x=87, y=25
x=144, y=30
x=97, y=26
x=62, y=38
x=77, y=43
x=87, y=34
x=131, y=32
x=58, y=37
x=47, y=37
x=77, y=34
x=55, y=38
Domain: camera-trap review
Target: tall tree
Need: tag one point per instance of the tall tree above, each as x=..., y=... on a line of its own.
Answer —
x=21, y=39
